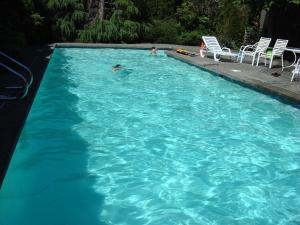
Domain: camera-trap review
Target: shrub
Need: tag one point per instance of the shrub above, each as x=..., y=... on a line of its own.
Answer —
x=190, y=38
x=231, y=24
x=163, y=31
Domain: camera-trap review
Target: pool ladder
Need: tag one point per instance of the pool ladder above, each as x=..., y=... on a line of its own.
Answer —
x=21, y=79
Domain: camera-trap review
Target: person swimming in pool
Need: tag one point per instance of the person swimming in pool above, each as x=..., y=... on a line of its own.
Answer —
x=118, y=67
x=153, y=51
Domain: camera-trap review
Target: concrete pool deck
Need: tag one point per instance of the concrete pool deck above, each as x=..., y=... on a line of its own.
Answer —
x=13, y=114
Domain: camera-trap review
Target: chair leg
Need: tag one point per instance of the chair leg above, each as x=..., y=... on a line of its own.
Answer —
x=253, y=60
x=292, y=79
x=238, y=56
x=215, y=57
x=258, y=58
x=265, y=61
x=242, y=56
x=282, y=62
x=271, y=61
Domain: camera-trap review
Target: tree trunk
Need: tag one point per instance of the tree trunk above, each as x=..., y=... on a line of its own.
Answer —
x=263, y=15
x=101, y=9
x=95, y=9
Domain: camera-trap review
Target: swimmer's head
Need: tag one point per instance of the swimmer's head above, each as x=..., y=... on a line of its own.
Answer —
x=117, y=66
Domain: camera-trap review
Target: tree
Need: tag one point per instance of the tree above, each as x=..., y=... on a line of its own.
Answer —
x=69, y=17
x=176, y=21
x=231, y=22
x=161, y=9
x=122, y=26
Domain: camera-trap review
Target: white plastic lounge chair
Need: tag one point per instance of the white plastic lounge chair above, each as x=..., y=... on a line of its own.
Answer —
x=253, y=50
x=296, y=71
x=213, y=46
x=278, y=50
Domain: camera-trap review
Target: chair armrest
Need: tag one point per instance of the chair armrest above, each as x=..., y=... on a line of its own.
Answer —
x=248, y=47
x=242, y=48
x=226, y=49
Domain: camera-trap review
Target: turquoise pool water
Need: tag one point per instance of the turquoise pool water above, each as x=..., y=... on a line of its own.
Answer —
x=163, y=143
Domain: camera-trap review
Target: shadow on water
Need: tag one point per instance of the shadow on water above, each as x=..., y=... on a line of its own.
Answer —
x=48, y=182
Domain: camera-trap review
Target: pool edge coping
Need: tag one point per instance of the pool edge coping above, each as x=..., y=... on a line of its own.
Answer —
x=142, y=46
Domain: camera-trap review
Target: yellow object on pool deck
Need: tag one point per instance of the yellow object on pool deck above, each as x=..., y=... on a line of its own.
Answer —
x=185, y=52
x=182, y=51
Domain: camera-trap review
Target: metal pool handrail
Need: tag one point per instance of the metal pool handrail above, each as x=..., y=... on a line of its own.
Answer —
x=25, y=88
x=26, y=79
x=21, y=65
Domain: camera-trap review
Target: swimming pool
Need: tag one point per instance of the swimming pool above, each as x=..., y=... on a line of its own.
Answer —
x=161, y=143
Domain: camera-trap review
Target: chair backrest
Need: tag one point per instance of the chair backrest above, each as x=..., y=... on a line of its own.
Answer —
x=279, y=47
x=212, y=43
x=263, y=44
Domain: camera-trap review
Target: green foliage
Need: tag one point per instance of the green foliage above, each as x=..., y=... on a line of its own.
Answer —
x=37, y=19
x=168, y=21
x=190, y=38
x=164, y=31
x=125, y=9
x=97, y=32
x=129, y=31
x=159, y=9
x=187, y=16
x=252, y=34
x=69, y=16
x=193, y=22
x=107, y=31
x=120, y=28
x=231, y=23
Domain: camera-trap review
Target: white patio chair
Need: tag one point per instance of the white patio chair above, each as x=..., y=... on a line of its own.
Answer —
x=296, y=71
x=253, y=50
x=277, y=51
x=213, y=46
